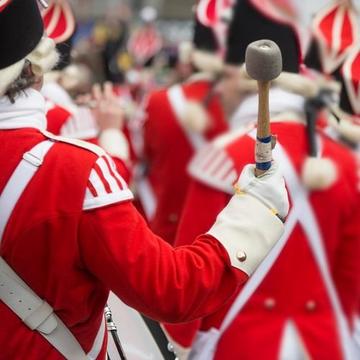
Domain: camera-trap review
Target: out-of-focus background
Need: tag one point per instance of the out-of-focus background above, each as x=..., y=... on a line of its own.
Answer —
x=115, y=36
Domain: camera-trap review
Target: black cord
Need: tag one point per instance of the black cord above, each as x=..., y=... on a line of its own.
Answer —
x=324, y=99
x=113, y=330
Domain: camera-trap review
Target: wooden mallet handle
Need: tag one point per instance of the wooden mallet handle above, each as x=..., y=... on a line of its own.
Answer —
x=263, y=63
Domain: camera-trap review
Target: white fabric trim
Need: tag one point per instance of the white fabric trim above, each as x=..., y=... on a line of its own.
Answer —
x=97, y=183
x=28, y=111
x=292, y=346
x=19, y=180
x=223, y=178
x=102, y=197
x=357, y=337
x=234, y=229
x=98, y=342
x=115, y=172
x=107, y=175
x=109, y=199
x=178, y=102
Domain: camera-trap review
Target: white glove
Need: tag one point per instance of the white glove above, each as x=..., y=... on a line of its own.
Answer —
x=269, y=188
x=247, y=227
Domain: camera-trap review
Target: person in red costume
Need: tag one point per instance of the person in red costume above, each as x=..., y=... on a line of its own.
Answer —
x=178, y=121
x=67, y=117
x=70, y=234
x=275, y=317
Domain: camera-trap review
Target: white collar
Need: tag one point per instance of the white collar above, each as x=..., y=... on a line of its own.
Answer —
x=281, y=101
x=27, y=111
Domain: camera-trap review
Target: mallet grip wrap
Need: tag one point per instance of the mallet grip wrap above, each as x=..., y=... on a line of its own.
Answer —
x=263, y=154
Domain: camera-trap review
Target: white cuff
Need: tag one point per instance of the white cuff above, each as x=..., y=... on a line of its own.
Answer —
x=114, y=142
x=248, y=230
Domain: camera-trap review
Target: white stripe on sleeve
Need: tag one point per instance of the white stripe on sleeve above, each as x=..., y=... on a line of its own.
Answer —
x=101, y=184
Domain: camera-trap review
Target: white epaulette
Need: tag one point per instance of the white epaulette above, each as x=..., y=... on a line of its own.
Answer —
x=78, y=143
x=213, y=166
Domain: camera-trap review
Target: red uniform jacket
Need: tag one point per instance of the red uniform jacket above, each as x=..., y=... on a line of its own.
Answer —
x=168, y=148
x=74, y=235
x=257, y=331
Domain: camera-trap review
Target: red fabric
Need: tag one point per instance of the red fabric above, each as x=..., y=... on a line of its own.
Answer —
x=345, y=33
x=168, y=151
x=194, y=217
x=295, y=279
x=72, y=258
x=57, y=117
x=335, y=29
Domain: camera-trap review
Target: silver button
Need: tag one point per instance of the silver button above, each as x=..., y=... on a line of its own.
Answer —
x=241, y=255
x=269, y=303
x=310, y=305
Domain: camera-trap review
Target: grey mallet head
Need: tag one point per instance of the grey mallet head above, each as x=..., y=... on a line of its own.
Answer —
x=263, y=60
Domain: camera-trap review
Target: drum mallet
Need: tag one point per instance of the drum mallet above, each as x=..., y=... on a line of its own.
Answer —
x=263, y=63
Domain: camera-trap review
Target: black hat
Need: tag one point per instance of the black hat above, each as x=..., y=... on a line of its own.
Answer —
x=249, y=25
x=204, y=38
x=21, y=29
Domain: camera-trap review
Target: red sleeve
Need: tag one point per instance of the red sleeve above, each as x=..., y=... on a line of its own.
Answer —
x=200, y=211
x=167, y=284
x=347, y=264
x=201, y=208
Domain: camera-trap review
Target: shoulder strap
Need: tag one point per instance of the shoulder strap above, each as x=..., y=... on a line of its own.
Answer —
x=79, y=143
x=36, y=313
x=19, y=180
x=178, y=103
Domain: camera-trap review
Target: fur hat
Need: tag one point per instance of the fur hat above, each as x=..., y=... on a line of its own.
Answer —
x=22, y=19
x=249, y=24
x=205, y=55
